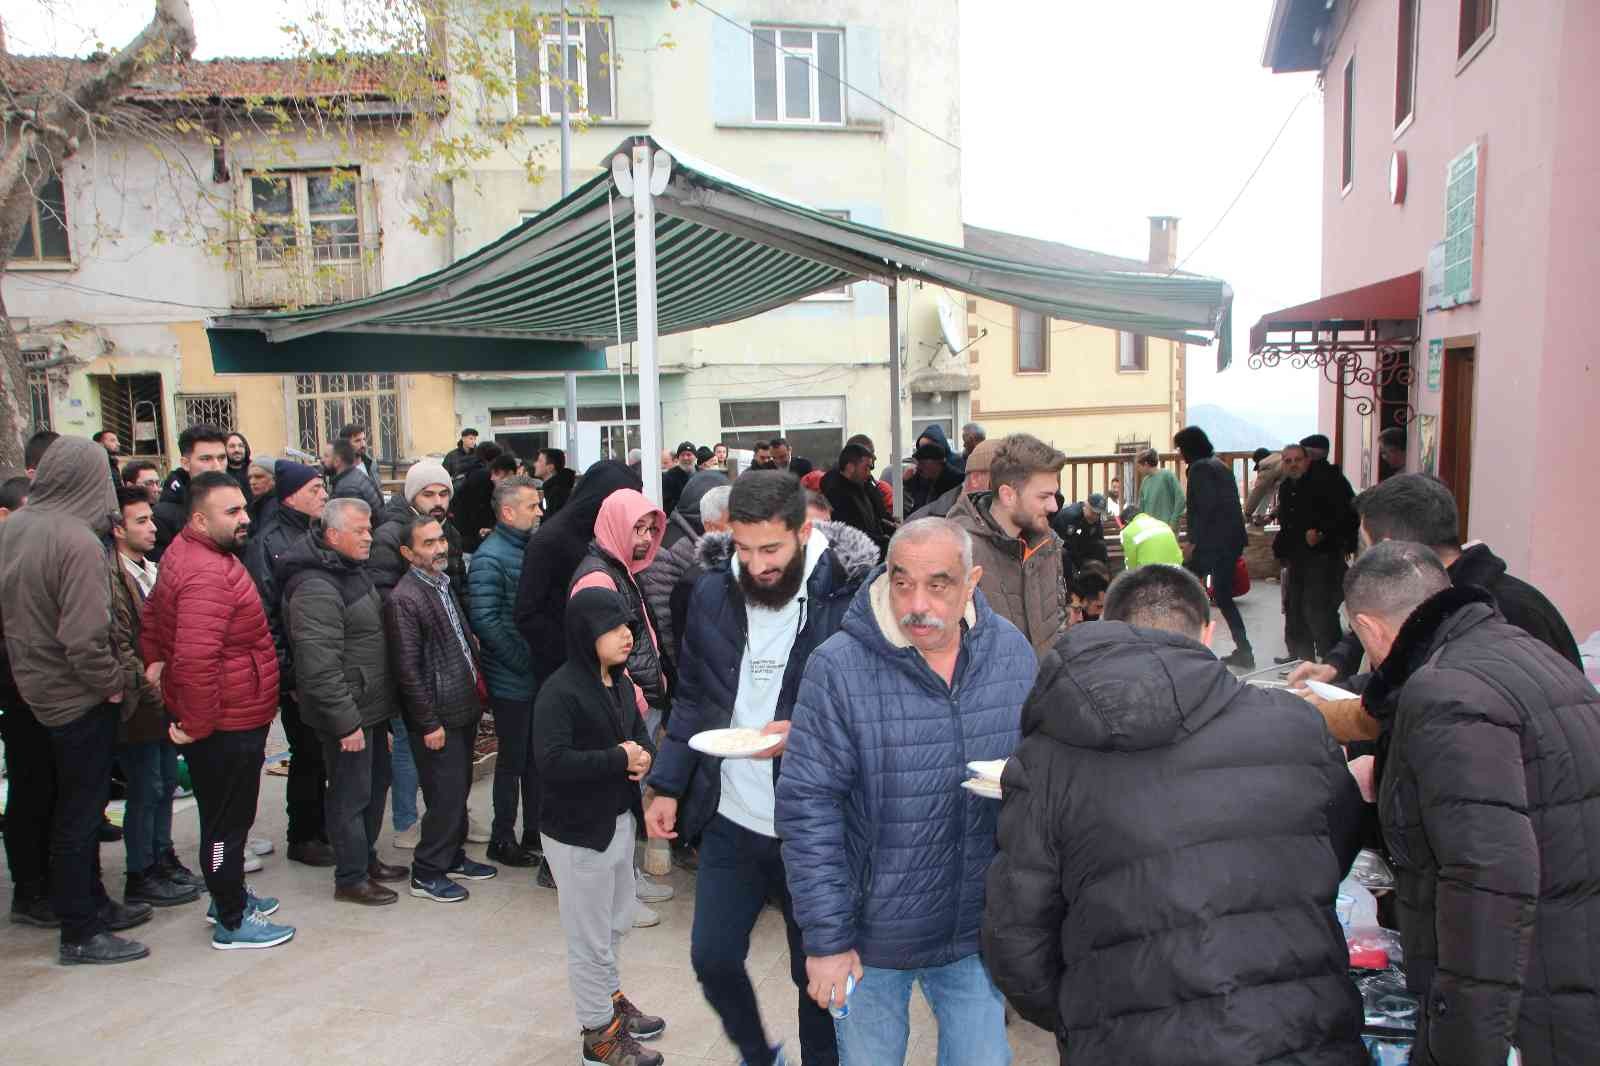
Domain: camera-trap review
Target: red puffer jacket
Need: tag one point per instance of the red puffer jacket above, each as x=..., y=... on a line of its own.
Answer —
x=204, y=621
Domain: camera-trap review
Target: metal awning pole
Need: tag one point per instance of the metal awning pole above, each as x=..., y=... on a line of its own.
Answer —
x=566, y=187
x=894, y=398
x=645, y=160
x=573, y=458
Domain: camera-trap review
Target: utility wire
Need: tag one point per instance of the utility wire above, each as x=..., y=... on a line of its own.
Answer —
x=860, y=92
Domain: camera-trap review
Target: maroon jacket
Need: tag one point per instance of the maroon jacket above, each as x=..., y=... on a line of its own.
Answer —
x=204, y=621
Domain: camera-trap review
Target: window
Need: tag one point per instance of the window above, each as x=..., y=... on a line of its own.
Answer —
x=619, y=428
x=814, y=427
x=1133, y=353
x=208, y=408
x=1477, y=23
x=590, y=70
x=799, y=75
x=292, y=209
x=938, y=409
x=131, y=407
x=44, y=235
x=1405, y=64
x=33, y=361
x=1032, y=342
x=843, y=291
x=326, y=403
x=1347, y=164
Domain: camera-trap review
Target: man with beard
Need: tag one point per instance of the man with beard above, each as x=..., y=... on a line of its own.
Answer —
x=783, y=458
x=238, y=468
x=205, y=638
x=754, y=620
x=762, y=457
x=200, y=449
x=676, y=477
x=851, y=491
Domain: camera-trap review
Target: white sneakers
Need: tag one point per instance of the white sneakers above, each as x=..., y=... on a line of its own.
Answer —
x=476, y=833
x=649, y=890
x=258, y=846
x=644, y=917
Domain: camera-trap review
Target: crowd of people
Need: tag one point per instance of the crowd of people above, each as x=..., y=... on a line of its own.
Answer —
x=1157, y=884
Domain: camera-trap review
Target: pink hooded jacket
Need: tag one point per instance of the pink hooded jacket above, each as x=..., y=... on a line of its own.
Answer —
x=613, y=531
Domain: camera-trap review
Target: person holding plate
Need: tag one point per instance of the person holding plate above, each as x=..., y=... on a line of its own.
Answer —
x=754, y=619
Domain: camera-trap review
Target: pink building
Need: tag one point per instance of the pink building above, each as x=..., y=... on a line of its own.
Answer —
x=1461, y=261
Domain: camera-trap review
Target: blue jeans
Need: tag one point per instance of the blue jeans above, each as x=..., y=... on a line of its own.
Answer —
x=404, y=782
x=969, y=1009
x=152, y=772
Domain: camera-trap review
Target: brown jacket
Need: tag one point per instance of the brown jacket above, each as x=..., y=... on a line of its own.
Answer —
x=1031, y=592
x=53, y=586
x=1348, y=721
x=144, y=716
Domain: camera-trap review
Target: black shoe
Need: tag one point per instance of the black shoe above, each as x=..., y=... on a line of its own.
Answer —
x=1285, y=660
x=157, y=891
x=171, y=869
x=109, y=833
x=685, y=856
x=35, y=912
x=102, y=949
x=546, y=879
x=312, y=853
x=531, y=845
x=120, y=916
x=1242, y=658
x=507, y=853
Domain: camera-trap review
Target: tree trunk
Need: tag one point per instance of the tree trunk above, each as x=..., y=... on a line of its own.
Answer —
x=44, y=140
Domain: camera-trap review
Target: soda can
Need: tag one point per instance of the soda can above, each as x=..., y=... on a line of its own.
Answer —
x=843, y=1009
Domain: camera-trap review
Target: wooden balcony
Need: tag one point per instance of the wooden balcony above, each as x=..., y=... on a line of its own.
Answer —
x=272, y=274
x=1085, y=474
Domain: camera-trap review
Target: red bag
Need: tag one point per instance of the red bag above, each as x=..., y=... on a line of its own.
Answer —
x=1241, y=581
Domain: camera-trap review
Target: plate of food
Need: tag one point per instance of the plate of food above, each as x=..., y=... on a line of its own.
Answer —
x=734, y=743
x=1324, y=691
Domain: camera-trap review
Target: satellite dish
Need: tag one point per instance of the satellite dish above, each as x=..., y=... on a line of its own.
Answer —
x=952, y=323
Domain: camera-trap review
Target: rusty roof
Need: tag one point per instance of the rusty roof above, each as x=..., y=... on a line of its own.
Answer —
x=216, y=79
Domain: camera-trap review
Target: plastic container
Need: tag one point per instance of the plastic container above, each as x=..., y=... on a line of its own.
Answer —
x=842, y=1011
x=1356, y=906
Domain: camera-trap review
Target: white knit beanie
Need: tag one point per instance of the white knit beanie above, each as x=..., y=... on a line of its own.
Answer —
x=421, y=475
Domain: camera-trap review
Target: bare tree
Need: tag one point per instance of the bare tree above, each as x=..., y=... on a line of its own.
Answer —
x=40, y=134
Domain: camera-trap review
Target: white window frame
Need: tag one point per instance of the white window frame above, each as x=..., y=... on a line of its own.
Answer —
x=844, y=293
x=303, y=220
x=1127, y=350
x=385, y=433
x=781, y=428
x=550, y=44
x=1403, y=122
x=809, y=54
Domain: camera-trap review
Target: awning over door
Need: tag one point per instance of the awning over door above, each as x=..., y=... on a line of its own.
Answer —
x=549, y=294
x=1346, y=317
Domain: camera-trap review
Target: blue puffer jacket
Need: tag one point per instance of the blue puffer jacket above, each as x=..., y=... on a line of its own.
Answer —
x=712, y=647
x=885, y=851
x=491, y=605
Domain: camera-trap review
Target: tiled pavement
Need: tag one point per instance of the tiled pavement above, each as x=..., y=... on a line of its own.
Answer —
x=482, y=982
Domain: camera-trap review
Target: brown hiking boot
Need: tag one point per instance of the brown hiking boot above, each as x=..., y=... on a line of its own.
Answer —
x=640, y=1026
x=613, y=1045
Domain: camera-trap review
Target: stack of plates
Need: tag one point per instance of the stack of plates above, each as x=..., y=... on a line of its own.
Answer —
x=985, y=779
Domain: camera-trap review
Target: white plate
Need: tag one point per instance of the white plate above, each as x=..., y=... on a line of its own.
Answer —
x=986, y=789
x=734, y=743
x=987, y=769
x=1324, y=691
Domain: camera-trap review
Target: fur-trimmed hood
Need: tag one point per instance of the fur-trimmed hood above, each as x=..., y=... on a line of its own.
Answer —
x=854, y=549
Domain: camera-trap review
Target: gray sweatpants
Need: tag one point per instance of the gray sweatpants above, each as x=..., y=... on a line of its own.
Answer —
x=595, y=892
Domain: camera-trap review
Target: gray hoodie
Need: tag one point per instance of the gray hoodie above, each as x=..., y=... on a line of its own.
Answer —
x=54, y=593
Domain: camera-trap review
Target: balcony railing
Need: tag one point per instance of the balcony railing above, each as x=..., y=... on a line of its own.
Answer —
x=1085, y=474
x=273, y=274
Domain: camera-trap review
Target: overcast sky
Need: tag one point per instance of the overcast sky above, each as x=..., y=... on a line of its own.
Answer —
x=1079, y=118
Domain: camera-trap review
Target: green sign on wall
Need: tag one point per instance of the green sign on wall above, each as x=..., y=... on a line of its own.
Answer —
x=1435, y=364
x=1460, y=227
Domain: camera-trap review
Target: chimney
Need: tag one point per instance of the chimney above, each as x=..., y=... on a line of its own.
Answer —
x=1163, y=243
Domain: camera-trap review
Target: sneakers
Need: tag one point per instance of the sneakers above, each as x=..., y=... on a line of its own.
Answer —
x=613, y=1045
x=258, y=846
x=102, y=949
x=253, y=904
x=650, y=891
x=546, y=879
x=150, y=887
x=252, y=863
x=254, y=932
x=171, y=869
x=439, y=889
x=640, y=1026
x=476, y=833
x=1241, y=658
x=473, y=871
x=510, y=853
x=409, y=837
x=644, y=917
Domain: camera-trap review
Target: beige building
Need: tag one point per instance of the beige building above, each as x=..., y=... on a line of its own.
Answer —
x=1086, y=389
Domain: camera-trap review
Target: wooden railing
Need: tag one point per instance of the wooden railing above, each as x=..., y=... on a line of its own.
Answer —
x=1085, y=474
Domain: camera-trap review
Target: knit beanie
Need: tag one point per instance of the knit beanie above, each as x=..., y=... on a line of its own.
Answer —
x=421, y=475
x=290, y=477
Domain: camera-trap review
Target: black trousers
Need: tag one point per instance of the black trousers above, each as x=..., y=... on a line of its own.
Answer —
x=358, y=786
x=30, y=799
x=514, y=771
x=446, y=777
x=1219, y=566
x=1311, y=616
x=307, y=786
x=82, y=752
x=225, y=769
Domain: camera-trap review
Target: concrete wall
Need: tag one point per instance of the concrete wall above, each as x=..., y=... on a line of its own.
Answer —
x=1531, y=95
x=1084, y=405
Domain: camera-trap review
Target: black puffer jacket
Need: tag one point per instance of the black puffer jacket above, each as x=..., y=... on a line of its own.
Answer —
x=1490, y=803
x=1082, y=541
x=557, y=490
x=436, y=675
x=1522, y=605
x=356, y=484
x=262, y=553
x=857, y=505
x=334, y=619
x=388, y=566
x=552, y=557
x=171, y=511
x=684, y=530
x=1171, y=845
x=1216, y=518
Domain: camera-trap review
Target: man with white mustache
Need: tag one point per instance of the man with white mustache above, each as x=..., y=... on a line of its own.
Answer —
x=885, y=851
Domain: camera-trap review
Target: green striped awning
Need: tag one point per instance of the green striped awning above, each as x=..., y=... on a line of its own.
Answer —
x=542, y=296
